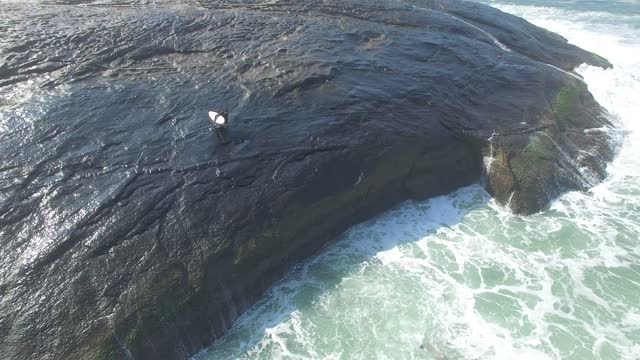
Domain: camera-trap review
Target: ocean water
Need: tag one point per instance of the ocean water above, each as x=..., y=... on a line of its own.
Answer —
x=458, y=277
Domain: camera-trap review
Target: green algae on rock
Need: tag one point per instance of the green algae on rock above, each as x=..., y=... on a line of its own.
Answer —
x=533, y=166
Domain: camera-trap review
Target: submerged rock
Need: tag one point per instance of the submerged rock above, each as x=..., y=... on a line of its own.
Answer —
x=128, y=231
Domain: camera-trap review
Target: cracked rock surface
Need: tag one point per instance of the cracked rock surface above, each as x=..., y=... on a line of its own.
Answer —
x=127, y=230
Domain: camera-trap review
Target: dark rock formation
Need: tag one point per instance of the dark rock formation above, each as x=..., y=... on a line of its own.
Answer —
x=128, y=231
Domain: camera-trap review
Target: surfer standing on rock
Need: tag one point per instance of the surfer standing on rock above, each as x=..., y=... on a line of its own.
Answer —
x=220, y=123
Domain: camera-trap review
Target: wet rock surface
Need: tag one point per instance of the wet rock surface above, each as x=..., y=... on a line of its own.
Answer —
x=128, y=230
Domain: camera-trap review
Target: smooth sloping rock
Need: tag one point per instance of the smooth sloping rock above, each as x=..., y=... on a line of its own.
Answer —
x=128, y=231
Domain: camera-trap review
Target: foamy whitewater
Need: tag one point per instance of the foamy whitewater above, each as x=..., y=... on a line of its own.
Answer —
x=458, y=277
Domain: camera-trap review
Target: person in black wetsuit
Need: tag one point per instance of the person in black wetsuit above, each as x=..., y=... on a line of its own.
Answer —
x=220, y=123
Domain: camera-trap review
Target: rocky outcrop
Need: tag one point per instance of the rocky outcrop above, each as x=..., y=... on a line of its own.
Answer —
x=129, y=231
x=526, y=169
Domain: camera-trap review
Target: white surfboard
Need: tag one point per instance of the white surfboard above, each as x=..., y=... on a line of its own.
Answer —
x=216, y=118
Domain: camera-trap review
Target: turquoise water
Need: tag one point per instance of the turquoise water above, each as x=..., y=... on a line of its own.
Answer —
x=458, y=277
